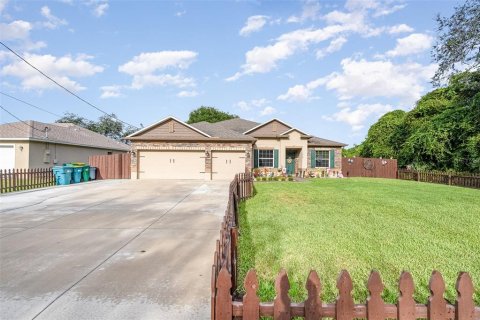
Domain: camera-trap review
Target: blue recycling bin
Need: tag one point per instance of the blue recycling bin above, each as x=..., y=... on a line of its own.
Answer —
x=77, y=174
x=63, y=175
x=93, y=173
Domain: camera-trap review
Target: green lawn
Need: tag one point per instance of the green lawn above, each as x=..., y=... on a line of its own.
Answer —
x=360, y=224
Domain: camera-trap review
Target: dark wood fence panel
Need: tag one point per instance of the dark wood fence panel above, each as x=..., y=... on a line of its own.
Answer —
x=112, y=166
x=369, y=167
x=25, y=179
x=469, y=180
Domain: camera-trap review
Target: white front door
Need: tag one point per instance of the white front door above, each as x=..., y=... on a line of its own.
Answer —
x=7, y=156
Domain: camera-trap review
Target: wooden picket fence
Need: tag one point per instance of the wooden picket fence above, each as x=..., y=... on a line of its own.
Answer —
x=25, y=179
x=224, y=284
x=469, y=180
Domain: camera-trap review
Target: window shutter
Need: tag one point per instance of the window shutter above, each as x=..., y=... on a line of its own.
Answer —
x=313, y=158
x=275, y=158
x=255, y=158
x=332, y=158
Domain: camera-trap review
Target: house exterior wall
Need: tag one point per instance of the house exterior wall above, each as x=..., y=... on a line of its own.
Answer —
x=21, y=152
x=170, y=129
x=37, y=157
x=271, y=128
x=139, y=146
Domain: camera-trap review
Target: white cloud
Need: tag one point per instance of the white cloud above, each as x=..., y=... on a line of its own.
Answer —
x=144, y=80
x=253, y=24
x=268, y=111
x=335, y=45
x=100, y=7
x=400, y=28
x=111, y=92
x=386, y=10
x=254, y=103
x=52, y=22
x=180, y=13
x=149, y=62
x=309, y=12
x=356, y=117
x=62, y=69
x=187, y=94
x=412, y=44
x=3, y=3
x=15, y=30
x=367, y=79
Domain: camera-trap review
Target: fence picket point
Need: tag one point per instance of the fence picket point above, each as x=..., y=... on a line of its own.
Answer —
x=375, y=304
x=282, y=302
x=406, y=303
x=464, y=305
x=313, y=304
x=437, y=306
x=344, y=305
x=251, y=302
x=223, y=300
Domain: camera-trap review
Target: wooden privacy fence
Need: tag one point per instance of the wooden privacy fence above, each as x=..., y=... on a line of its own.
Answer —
x=112, y=166
x=369, y=167
x=225, y=256
x=282, y=308
x=469, y=180
x=25, y=179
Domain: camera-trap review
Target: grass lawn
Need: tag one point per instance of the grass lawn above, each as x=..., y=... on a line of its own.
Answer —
x=360, y=224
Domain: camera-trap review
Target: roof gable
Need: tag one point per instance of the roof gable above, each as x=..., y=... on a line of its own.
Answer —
x=272, y=127
x=294, y=129
x=169, y=127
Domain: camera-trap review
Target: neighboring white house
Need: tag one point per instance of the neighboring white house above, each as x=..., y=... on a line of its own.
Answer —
x=33, y=144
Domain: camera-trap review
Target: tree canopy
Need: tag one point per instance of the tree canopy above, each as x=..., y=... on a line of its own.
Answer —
x=209, y=114
x=108, y=125
x=442, y=132
x=458, y=42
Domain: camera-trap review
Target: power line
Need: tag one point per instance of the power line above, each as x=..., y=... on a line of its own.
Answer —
x=28, y=124
x=31, y=105
x=61, y=86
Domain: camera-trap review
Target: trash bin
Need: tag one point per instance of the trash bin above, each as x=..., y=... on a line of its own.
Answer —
x=86, y=173
x=93, y=173
x=63, y=175
x=77, y=174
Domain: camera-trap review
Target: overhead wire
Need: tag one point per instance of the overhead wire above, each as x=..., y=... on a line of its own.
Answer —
x=24, y=122
x=31, y=105
x=61, y=86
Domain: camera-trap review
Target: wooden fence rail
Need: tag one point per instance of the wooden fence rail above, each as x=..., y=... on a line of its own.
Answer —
x=25, y=179
x=468, y=180
x=224, y=283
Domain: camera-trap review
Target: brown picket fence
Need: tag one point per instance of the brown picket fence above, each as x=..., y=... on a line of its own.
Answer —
x=24, y=179
x=226, y=305
x=369, y=167
x=460, y=179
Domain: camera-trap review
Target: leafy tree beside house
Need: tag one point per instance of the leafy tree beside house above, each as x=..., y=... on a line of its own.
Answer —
x=209, y=114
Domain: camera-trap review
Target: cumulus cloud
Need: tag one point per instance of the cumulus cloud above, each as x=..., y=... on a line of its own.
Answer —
x=335, y=45
x=368, y=79
x=187, y=94
x=253, y=24
x=3, y=3
x=15, y=30
x=400, y=28
x=254, y=103
x=268, y=111
x=52, y=22
x=100, y=7
x=357, y=116
x=62, y=69
x=412, y=44
x=310, y=11
x=111, y=92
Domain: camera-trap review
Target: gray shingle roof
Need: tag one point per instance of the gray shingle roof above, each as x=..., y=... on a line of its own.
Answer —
x=64, y=133
x=215, y=130
x=238, y=124
x=316, y=141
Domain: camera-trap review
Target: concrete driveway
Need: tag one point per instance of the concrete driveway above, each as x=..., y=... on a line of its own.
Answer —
x=116, y=249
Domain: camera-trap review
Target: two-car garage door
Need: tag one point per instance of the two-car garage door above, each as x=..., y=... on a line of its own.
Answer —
x=189, y=165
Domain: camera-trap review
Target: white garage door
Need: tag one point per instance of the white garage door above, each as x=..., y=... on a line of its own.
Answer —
x=225, y=164
x=171, y=165
x=7, y=156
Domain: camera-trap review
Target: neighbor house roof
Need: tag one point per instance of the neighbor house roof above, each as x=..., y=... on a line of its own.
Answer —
x=62, y=133
x=216, y=130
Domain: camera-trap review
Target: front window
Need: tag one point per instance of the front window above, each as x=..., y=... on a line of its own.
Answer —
x=265, y=158
x=322, y=159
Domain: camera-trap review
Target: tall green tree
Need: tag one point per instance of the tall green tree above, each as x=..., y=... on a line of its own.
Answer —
x=209, y=114
x=458, y=41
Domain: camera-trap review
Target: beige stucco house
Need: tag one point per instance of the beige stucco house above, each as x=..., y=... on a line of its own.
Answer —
x=173, y=149
x=33, y=144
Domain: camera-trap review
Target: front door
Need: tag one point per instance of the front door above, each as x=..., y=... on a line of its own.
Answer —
x=290, y=162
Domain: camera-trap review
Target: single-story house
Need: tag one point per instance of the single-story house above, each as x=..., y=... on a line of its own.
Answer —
x=173, y=149
x=34, y=144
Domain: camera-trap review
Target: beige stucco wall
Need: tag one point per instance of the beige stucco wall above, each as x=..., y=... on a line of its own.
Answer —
x=21, y=152
x=60, y=152
x=294, y=141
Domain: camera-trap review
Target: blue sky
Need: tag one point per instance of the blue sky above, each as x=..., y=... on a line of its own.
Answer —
x=330, y=68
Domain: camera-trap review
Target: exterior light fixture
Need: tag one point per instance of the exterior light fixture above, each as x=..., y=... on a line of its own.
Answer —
x=207, y=154
x=350, y=161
